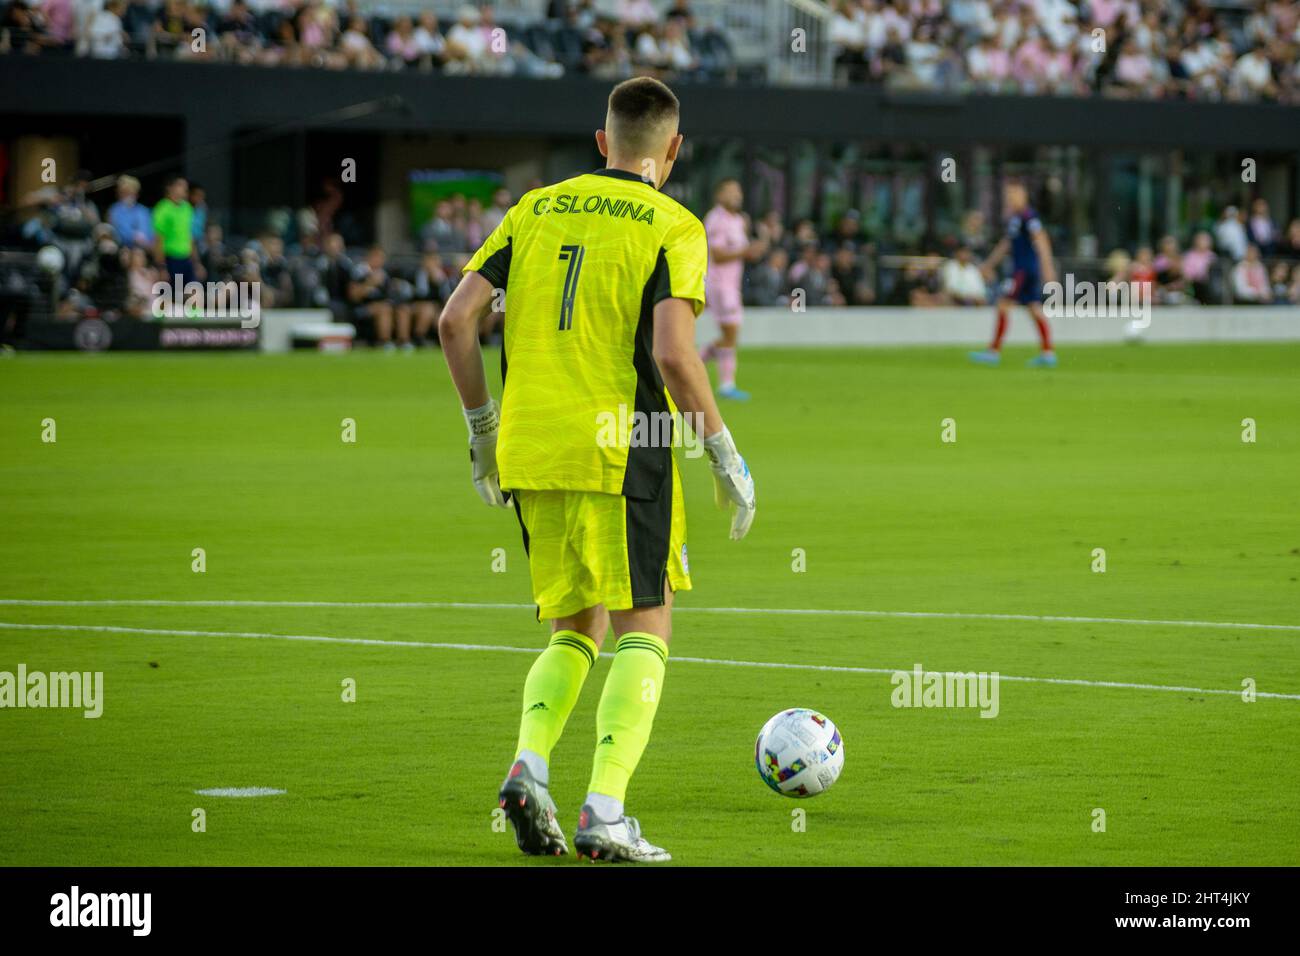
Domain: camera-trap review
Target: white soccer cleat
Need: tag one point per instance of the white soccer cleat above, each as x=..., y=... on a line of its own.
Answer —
x=617, y=841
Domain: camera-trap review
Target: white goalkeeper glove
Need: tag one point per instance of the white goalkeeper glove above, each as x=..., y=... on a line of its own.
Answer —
x=483, y=424
x=732, y=484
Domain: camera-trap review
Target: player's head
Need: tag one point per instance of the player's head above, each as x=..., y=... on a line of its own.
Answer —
x=728, y=195
x=177, y=188
x=640, y=131
x=1015, y=197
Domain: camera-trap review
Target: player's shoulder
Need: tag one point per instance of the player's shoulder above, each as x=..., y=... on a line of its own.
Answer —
x=684, y=222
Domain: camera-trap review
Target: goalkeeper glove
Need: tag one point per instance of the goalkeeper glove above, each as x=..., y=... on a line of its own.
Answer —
x=483, y=424
x=732, y=483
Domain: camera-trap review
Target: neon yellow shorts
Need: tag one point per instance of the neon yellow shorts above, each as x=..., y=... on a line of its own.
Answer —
x=587, y=548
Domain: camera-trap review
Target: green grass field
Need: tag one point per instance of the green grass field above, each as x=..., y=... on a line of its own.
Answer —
x=1135, y=450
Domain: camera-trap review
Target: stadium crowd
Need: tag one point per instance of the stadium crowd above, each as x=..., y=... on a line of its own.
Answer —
x=111, y=257
x=1196, y=49
x=1192, y=49
x=1244, y=258
x=576, y=36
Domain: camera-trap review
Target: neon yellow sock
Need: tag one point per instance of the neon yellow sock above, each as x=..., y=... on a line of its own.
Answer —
x=627, y=711
x=551, y=690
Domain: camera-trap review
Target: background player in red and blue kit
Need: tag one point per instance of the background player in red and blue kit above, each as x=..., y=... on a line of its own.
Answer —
x=1031, y=266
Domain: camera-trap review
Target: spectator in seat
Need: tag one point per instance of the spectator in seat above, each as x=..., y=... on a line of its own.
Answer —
x=1197, y=262
x=429, y=291
x=1169, y=270
x=1290, y=244
x=494, y=213
x=140, y=276
x=961, y=281
x=429, y=41
x=1143, y=271
x=467, y=47
x=1280, y=281
x=130, y=220
x=373, y=298
x=1260, y=227
x=219, y=263
x=851, y=278
x=1250, y=283
x=1230, y=234
x=401, y=44
x=335, y=271
x=277, y=274
x=358, y=51
x=103, y=35
x=766, y=281
x=637, y=13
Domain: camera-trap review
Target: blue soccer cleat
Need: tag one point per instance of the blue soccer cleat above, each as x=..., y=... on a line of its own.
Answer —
x=733, y=393
x=1044, y=360
x=986, y=357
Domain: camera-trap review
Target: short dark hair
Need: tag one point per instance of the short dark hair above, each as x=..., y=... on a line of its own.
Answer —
x=639, y=106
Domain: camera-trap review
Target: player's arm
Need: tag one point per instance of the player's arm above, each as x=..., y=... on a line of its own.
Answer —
x=458, y=332
x=688, y=383
x=679, y=363
x=1043, y=246
x=996, y=256
x=722, y=254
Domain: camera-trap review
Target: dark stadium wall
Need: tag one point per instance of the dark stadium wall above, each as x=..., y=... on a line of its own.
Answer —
x=215, y=102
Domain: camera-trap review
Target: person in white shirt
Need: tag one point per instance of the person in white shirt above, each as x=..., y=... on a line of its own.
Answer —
x=1250, y=283
x=466, y=45
x=635, y=13
x=105, y=38
x=1230, y=234
x=961, y=279
x=1253, y=75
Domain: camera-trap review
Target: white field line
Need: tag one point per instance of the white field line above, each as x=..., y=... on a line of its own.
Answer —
x=375, y=642
x=776, y=611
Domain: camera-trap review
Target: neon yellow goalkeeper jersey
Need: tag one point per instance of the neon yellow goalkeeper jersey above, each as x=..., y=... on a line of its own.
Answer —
x=583, y=263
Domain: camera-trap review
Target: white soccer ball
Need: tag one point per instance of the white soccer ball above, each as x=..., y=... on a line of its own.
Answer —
x=799, y=753
x=50, y=259
x=1134, y=332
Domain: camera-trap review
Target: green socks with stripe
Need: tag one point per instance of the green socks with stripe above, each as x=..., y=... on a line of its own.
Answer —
x=627, y=711
x=551, y=690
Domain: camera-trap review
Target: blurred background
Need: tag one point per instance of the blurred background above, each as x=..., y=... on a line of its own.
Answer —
x=347, y=157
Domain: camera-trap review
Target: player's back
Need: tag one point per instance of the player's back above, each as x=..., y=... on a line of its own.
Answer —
x=583, y=263
x=1022, y=226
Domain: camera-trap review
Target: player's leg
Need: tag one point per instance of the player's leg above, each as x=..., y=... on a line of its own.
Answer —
x=624, y=719
x=555, y=680
x=1046, y=358
x=993, y=354
x=654, y=563
x=727, y=353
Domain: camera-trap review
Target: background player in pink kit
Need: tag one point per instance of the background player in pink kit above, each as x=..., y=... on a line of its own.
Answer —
x=730, y=248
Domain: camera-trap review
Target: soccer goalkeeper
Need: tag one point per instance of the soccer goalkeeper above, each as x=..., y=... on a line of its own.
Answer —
x=605, y=278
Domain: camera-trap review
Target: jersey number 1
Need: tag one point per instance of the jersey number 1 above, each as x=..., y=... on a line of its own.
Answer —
x=573, y=255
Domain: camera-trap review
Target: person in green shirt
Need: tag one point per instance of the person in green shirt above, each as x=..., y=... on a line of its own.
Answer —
x=173, y=221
